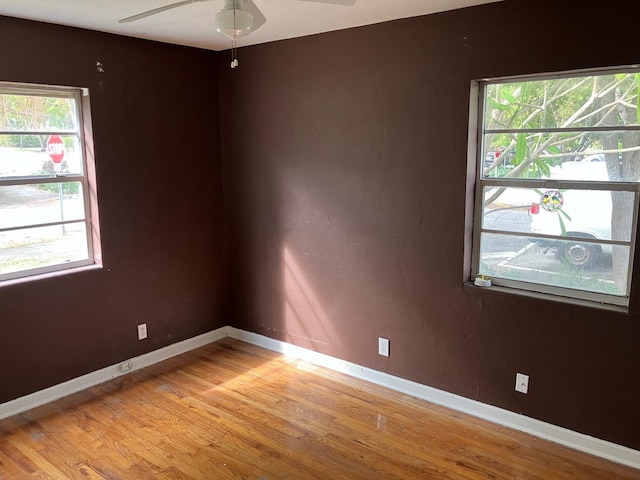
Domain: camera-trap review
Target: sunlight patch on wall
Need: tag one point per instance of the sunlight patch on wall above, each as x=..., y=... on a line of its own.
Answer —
x=305, y=319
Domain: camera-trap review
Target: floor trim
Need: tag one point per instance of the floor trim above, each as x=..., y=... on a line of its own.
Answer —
x=578, y=441
x=74, y=385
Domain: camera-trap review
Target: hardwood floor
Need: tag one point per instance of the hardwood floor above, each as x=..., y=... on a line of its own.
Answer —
x=235, y=411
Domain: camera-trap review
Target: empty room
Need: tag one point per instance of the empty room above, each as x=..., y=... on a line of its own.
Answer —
x=319, y=239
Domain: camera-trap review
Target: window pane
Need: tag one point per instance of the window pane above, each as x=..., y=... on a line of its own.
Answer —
x=563, y=102
x=568, y=264
x=587, y=213
x=508, y=209
x=26, y=155
x=581, y=213
x=43, y=203
x=42, y=247
x=564, y=156
x=37, y=113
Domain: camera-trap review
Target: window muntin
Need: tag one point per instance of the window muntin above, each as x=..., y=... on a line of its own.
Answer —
x=576, y=139
x=48, y=221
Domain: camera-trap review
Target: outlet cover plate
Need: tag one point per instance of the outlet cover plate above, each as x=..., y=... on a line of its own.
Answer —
x=522, y=383
x=383, y=346
x=142, y=331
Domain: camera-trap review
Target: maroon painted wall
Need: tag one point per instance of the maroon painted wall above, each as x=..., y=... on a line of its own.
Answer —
x=345, y=163
x=157, y=146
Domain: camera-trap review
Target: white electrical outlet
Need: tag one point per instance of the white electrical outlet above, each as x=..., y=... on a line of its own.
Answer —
x=522, y=383
x=383, y=346
x=142, y=331
x=126, y=366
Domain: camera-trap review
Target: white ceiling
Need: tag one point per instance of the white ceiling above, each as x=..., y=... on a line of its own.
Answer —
x=191, y=24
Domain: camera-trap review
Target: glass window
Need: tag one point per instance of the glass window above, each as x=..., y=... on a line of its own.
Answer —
x=48, y=218
x=558, y=172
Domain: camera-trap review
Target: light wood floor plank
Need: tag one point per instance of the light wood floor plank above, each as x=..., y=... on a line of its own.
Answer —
x=234, y=411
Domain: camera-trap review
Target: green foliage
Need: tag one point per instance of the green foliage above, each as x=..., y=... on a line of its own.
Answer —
x=542, y=168
x=500, y=171
x=561, y=211
x=22, y=113
x=28, y=113
x=521, y=149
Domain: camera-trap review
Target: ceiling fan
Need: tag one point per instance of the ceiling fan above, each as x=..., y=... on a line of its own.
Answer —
x=236, y=19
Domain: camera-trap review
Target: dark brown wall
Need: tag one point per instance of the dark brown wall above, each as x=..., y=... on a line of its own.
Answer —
x=345, y=162
x=156, y=130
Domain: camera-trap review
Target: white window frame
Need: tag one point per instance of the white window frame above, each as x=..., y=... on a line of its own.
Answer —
x=476, y=183
x=83, y=132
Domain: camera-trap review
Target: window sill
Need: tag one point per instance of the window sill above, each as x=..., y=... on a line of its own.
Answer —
x=54, y=274
x=470, y=286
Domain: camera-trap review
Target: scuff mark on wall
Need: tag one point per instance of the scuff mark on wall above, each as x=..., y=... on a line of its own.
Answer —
x=309, y=339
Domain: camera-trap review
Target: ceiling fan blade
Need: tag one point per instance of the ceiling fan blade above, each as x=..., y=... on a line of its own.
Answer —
x=258, y=18
x=344, y=3
x=148, y=13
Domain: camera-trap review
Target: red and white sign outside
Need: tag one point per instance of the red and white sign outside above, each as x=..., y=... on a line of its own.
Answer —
x=55, y=148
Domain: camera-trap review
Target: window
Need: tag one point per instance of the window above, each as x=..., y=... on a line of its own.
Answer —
x=48, y=214
x=557, y=183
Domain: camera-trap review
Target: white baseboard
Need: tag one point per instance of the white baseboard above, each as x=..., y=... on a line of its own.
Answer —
x=50, y=394
x=547, y=431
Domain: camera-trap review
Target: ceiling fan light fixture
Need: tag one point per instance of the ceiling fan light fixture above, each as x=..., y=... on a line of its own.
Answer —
x=233, y=22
